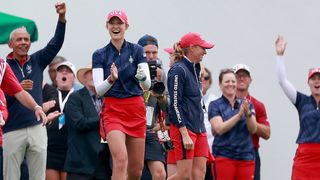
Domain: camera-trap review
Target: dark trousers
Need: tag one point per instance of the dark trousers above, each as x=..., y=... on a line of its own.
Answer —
x=146, y=175
x=96, y=176
x=209, y=173
x=23, y=168
x=103, y=171
x=258, y=165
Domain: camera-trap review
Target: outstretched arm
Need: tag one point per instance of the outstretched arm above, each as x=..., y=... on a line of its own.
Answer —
x=54, y=45
x=26, y=99
x=286, y=86
x=61, y=10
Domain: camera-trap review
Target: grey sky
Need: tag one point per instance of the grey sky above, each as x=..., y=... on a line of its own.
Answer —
x=243, y=31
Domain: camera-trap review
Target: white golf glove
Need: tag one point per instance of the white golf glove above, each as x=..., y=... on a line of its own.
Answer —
x=140, y=75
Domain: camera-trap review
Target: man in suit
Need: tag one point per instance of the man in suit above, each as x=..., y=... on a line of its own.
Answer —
x=87, y=158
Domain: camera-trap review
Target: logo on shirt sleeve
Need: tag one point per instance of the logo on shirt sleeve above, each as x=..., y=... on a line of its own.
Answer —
x=175, y=98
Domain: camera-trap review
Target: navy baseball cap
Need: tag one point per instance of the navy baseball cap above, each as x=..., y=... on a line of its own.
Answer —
x=148, y=40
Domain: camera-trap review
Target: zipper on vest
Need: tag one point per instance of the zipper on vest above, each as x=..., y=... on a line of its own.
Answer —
x=21, y=68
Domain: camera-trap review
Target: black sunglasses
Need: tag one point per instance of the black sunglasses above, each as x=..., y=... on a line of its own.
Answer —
x=206, y=78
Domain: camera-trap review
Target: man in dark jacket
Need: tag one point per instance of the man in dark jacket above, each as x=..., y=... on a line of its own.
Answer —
x=23, y=134
x=87, y=158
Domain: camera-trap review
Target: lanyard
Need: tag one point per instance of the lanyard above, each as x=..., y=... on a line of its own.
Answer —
x=146, y=96
x=62, y=103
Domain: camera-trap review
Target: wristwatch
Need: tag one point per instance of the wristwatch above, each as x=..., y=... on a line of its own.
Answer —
x=248, y=114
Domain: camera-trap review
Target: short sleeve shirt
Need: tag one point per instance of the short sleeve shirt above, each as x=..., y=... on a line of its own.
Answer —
x=10, y=85
x=261, y=117
x=236, y=143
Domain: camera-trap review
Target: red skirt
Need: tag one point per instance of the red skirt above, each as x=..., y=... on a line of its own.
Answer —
x=127, y=115
x=171, y=158
x=307, y=162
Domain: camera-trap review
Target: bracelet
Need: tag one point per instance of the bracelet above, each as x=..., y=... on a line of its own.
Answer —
x=110, y=80
x=36, y=107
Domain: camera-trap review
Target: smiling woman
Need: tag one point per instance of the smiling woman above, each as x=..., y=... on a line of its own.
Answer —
x=188, y=133
x=120, y=73
x=232, y=120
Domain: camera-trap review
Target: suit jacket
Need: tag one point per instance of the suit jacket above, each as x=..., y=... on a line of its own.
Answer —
x=84, y=141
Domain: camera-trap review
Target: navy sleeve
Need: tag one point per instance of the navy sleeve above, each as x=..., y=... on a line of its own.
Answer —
x=96, y=60
x=213, y=110
x=140, y=58
x=299, y=100
x=53, y=47
x=176, y=81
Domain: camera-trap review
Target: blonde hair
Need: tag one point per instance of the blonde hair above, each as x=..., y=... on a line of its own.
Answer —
x=178, y=52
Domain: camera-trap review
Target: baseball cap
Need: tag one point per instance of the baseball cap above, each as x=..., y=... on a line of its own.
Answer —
x=168, y=50
x=313, y=71
x=238, y=67
x=69, y=65
x=148, y=40
x=192, y=38
x=120, y=14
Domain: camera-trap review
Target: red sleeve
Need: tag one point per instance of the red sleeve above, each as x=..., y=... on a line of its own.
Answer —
x=3, y=105
x=261, y=114
x=10, y=84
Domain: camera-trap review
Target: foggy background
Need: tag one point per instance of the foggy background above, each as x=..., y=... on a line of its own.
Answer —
x=242, y=31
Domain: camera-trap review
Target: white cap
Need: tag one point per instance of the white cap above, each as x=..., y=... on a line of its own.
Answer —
x=69, y=65
x=238, y=67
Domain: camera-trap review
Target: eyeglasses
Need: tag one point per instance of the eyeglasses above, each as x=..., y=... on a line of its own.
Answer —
x=239, y=76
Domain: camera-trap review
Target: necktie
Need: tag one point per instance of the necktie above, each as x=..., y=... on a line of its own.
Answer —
x=96, y=102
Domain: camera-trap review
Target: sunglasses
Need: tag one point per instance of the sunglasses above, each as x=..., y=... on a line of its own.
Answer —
x=206, y=78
